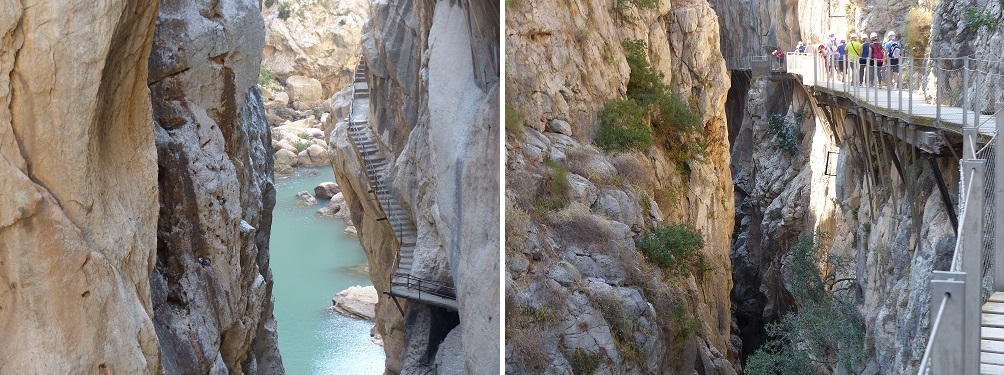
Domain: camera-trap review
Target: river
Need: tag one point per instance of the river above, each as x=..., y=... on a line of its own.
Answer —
x=311, y=261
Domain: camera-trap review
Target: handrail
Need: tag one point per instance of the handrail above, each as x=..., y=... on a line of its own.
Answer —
x=924, y=363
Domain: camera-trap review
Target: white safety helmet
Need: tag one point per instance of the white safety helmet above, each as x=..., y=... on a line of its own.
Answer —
x=874, y=35
x=864, y=36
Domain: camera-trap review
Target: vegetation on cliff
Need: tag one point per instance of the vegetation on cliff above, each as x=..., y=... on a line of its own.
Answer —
x=651, y=114
x=826, y=330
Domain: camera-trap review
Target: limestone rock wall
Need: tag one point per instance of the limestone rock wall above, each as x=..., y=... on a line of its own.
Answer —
x=319, y=39
x=434, y=110
x=212, y=285
x=573, y=274
x=78, y=187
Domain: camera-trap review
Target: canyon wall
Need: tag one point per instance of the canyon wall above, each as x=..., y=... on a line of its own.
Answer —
x=579, y=295
x=891, y=222
x=108, y=115
x=212, y=284
x=434, y=94
x=78, y=187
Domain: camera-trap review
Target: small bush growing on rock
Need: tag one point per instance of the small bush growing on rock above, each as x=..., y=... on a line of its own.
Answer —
x=652, y=114
x=979, y=18
x=513, y=121
x=553, y=192
x=787, y=134
x=285, y=9
x=585, y=363
x=265, y=77
x=675, y=247
x=827, y=327
x=269, y=3
x=918, y=31
x=623, y=127
x=302, y=144
x=516, y=227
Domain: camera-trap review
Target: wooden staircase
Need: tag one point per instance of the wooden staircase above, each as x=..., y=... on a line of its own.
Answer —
x=376, y=167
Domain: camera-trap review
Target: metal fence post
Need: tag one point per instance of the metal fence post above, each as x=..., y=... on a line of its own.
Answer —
x=965, y=84
x=947, y=351
x=815, y=68
x=998, y=208
x=909, y=101
x=937, y=96
x=972, y=259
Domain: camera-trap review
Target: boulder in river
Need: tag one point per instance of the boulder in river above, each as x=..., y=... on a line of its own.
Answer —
x=356, y=301
x=305, y=198
x=326, y=190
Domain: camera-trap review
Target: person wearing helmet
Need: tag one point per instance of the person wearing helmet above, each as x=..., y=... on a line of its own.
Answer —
x=863, y=61
x=876, y=54
x=831, y=54
x=893, y=51
x=853, y=53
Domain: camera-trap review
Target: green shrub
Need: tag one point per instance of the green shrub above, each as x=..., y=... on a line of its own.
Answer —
x=675, y=247
x=285, y=9
x=513, y=121
x=584, y=363
x=269, y=3
x=623, y=127
x=827, y=327
x=553, y=192
x=302, y=144
x=652, y=114
x=787, y=134
x=918, y=31
x=979, y=18
x=265, y=77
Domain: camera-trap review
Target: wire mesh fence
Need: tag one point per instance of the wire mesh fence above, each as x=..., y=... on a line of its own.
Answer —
x=987, y=256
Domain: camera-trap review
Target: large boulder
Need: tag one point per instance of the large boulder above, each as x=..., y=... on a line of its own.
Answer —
x=356, y=301
x=304, y=91
x=304, y=198
x=326, y=190
x=313, y=156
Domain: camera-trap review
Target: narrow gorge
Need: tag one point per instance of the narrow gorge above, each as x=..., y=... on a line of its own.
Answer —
x=149, y=150
x=627, y=251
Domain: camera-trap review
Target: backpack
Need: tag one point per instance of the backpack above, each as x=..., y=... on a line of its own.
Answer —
x=895, y=51
x=876, y=52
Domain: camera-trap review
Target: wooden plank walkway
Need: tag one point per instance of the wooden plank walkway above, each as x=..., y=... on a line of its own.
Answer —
x=992, y=336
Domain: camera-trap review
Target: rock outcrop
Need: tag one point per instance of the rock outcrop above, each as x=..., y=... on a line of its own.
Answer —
x=434, y=94
x=578, y=293
x=216, y=191
x=78, y=188
x=356, y=301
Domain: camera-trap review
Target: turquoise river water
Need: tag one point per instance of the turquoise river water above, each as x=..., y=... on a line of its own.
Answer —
x=311, y=261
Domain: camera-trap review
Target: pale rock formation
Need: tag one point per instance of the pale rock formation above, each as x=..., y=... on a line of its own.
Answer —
x=285, y=160
x=356, y=301
x=338, y=208
x=216, y=191
x=305, y=92
x=564, y=62
x=433, y=82
x=320, y=40
x=78, y=186
x=313, y=156
x=326, y=190
x=305, y=199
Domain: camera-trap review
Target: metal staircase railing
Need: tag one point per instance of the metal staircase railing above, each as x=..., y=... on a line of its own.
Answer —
x=375, y=168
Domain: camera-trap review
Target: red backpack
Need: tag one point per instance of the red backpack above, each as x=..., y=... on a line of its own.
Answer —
x=876, y=54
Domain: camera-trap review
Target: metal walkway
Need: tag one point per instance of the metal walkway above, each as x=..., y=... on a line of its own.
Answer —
x=948, y=108
x=402, y=282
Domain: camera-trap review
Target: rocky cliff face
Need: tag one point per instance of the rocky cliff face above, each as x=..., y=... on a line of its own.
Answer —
x=433, y=81
x=94, y=277
x=316, y=38
x=578, y=294
x=79, y=187
x=893, y=225
x=212, y=285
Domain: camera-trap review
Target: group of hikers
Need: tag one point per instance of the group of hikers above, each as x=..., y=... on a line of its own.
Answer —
x=858, y=56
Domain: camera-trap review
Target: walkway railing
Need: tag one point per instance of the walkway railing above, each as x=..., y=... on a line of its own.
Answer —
x=963, y=96
x=942, y=93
